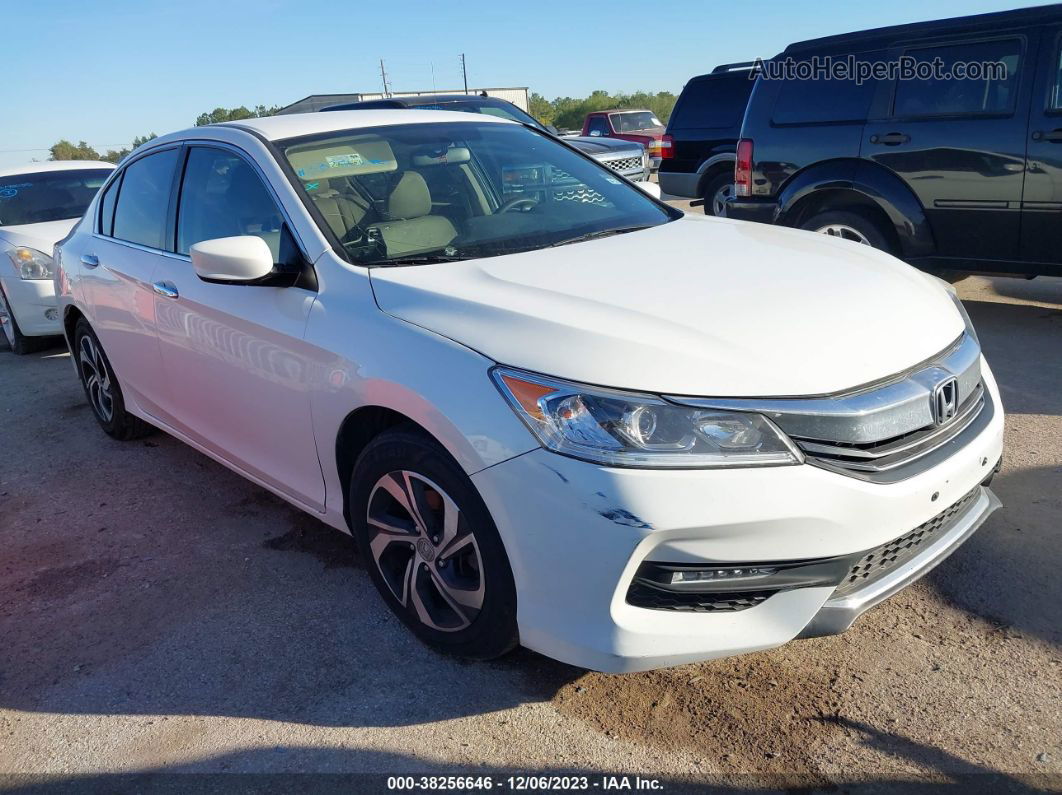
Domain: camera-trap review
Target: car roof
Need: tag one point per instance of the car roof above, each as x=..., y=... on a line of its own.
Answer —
x=995, y=20
x=428, y=99
x=621, y=110
x=295, y=125
x=54, y=165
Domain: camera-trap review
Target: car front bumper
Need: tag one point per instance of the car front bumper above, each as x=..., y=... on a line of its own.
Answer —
x=32, y=303
x=577, y=533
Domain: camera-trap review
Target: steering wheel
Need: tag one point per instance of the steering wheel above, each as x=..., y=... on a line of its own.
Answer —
x=512, y=204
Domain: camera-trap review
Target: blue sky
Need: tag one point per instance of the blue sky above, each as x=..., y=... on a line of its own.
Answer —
x=105, y=72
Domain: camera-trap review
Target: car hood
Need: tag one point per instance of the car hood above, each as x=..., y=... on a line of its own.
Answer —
x=41, y=236
x=700, y=306
x=603, y=146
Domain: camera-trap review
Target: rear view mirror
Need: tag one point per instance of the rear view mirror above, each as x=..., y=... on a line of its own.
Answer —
x=232, y=259
x=652, y=188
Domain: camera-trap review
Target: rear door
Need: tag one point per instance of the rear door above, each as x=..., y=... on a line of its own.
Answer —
x=959, y=143
x=1041, y=223
x=237, y=369
x=136, y=217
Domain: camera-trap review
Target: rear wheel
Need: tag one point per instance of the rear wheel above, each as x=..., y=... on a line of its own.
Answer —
x=849, y=225
x=19, y=342
x=717, y=191
x=431, y=546
x=101, y=387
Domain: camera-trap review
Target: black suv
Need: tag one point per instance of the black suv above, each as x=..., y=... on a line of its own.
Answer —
x=949, y=174
x=697, y=151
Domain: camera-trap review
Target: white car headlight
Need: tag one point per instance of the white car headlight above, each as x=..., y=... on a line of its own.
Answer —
x=631, y=430
x=30, y=263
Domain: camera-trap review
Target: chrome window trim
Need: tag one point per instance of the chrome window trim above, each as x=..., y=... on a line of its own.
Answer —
x=884, y=409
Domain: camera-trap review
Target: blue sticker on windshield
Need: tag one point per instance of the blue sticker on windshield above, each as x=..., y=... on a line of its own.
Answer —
x=11, y=191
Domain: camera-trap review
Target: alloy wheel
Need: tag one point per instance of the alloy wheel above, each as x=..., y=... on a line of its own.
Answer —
x=96, y=377
x=844, y=231
x=425, y=551
x=719, y=200
x=7, y=321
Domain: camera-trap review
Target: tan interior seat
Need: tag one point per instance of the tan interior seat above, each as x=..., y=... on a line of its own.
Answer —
x=340, y=210
x=413, y=229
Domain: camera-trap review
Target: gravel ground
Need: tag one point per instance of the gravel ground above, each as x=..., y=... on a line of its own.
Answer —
x=159, y=613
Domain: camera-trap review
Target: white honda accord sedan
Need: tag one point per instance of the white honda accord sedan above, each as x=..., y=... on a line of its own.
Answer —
x=551, y=410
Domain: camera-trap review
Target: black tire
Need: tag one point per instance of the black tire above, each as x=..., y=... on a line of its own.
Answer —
x=20, y=343
x=868, y=228
x=713, y=186
x=118, y=422
x=491, y=631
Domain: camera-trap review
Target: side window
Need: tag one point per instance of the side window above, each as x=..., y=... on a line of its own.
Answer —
x=223, y=196
x=598, y=126
x=1055, y=100
x=820, y=100
x=107, y=207
x=715, y=102
x=949, y=95
x=143, y=202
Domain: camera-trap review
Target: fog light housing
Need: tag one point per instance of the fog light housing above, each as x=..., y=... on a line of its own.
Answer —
x=720, y=575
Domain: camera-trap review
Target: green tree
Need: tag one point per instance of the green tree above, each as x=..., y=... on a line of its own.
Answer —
x=541, y=108
x=569, y=113
x=64, y=150
x=219, y=115
x=116, y=156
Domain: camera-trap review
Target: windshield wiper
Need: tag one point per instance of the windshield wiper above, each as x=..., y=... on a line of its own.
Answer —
x=419, y=259
x=599, y=234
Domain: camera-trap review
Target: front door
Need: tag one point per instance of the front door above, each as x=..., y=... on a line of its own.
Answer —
x=959, y=145
x=237, y=367
x=1041, y=222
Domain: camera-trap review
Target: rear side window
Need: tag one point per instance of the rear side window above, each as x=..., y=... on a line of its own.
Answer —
x=223, y=196
x=950, y=96
x=107, y=207
x=1055, y=101
x=712, y=103
x=143, y=202
x=821, y=100
x=598, y=126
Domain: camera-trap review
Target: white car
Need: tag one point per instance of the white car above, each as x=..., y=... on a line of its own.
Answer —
x=39, y=204
x=551, y=409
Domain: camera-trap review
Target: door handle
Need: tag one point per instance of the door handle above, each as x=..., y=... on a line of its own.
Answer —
x=1054, y=137
x=90, y=260
x=890, y=139
x=165, y=289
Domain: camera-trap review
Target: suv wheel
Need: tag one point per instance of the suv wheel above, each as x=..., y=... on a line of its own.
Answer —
x=849, y=226
x=716, y=192
x=431, y=546
x=102, y=389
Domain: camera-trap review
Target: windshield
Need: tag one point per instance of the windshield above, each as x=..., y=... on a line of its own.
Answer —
x=633, y=121
x=415, y=193
x=48, y=195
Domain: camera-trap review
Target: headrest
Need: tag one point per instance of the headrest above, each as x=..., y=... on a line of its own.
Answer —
x=410, y=198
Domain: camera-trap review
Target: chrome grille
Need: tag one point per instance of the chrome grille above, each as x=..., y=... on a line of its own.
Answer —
x=625, y=164
x=888, y=454
x=881, y=560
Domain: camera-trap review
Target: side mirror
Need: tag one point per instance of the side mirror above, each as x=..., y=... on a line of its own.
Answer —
x=652, y=188
x=232, y=259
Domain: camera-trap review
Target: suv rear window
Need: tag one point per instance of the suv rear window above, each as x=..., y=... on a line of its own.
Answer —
x=712, y=102
x=951, y=97
x=821, y=100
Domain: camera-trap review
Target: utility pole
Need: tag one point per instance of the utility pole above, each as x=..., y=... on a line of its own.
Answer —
x=383, y=77
x=464, y=72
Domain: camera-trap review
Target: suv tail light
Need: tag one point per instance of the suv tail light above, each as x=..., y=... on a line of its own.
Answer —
x=743, y=168
x=664, y=148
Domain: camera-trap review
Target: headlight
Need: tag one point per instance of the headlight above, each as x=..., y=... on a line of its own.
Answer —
x=30, y=263
x=631, y=430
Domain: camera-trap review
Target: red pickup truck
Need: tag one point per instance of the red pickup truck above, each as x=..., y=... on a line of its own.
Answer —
x=641, y=126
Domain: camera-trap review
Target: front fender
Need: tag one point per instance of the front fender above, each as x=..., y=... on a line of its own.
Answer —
x=871, y=183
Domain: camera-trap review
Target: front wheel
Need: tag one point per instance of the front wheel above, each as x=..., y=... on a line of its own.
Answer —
x=431, y=546
x=19, y=342
x=849, y=225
